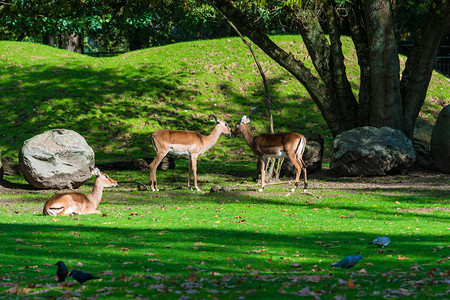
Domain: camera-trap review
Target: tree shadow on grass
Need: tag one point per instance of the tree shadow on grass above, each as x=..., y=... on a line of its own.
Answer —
x=176, y=234
x=98, y=104
x=175, y=249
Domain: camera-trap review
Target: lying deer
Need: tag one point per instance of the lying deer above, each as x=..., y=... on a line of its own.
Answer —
x=285, y=144
x=188, y=143
x=78, y=203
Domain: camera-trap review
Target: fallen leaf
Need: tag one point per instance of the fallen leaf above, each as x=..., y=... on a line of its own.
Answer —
x=106, y=273
x=351, y=284
x=31, y=267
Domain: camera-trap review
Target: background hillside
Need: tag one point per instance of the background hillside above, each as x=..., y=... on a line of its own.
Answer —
x=117, y=102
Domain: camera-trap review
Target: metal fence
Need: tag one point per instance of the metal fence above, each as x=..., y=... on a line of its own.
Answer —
x=442, y=62
x=442, y=65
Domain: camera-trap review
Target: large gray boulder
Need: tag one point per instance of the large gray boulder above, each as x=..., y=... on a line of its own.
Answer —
x=56, y=159
x=440, y=141
x=312, y=156
x=370, y=151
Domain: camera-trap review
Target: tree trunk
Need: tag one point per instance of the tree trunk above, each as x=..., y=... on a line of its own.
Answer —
x=49, y=39
x=71, y=42
x=386, y=104
x=138, y=39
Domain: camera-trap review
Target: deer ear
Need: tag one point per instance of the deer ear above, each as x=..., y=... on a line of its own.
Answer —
x=213, y=118
x=95, y=171
x=245, y=119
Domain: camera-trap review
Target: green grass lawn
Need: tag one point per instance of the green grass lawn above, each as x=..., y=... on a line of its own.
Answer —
x=243, y=243
x=176, y=243
x=115, y=103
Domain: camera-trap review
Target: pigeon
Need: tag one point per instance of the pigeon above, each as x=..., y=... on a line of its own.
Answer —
x=348, y=262
x=62, y=271
x=81, y=276
x=381, y=241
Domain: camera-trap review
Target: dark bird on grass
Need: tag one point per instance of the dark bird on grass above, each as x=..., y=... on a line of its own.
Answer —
x=381, y=241
x=62, y=271
x=348, y=262
x=82, y=277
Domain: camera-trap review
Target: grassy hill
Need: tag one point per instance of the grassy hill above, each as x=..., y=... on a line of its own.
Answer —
x=116, y=103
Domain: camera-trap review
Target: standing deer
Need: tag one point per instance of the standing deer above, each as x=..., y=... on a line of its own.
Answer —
x=78, y=203
x=285, y=144
x=191, y=143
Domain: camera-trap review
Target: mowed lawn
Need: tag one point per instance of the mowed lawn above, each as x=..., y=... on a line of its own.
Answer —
x=178, y=244
x=241, y=244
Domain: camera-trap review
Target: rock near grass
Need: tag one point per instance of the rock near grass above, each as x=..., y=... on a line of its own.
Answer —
x=370, y=151
x=56, y=159
x=440, y=141
x=312, y=156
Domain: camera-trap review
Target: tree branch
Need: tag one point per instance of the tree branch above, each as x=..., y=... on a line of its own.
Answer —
x=268, y=99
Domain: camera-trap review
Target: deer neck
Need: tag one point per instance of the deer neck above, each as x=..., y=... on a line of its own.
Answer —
x=96, y=195
x=211, y=139
x=248, y=137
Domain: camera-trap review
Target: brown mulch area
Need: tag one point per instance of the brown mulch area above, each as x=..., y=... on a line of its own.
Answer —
x=414, y=178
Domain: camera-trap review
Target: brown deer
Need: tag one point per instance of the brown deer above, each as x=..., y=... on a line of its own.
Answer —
x=189, y=143
x=285, y=144
x=77, y=203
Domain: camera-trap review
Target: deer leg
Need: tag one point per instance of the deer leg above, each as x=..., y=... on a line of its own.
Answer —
x=194, y=170
x=296, y=164
x=190, y=171
x=262, y=163
x=153, y=166
x=305, y=180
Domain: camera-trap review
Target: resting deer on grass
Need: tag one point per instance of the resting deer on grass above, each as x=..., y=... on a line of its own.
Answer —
x=285, y=144
x=191, y=143
x=78, y=203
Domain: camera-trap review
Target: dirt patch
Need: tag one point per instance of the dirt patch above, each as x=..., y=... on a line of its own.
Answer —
x=415, y=179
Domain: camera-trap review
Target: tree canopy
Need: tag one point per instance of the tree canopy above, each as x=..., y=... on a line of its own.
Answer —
x=386, y=97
